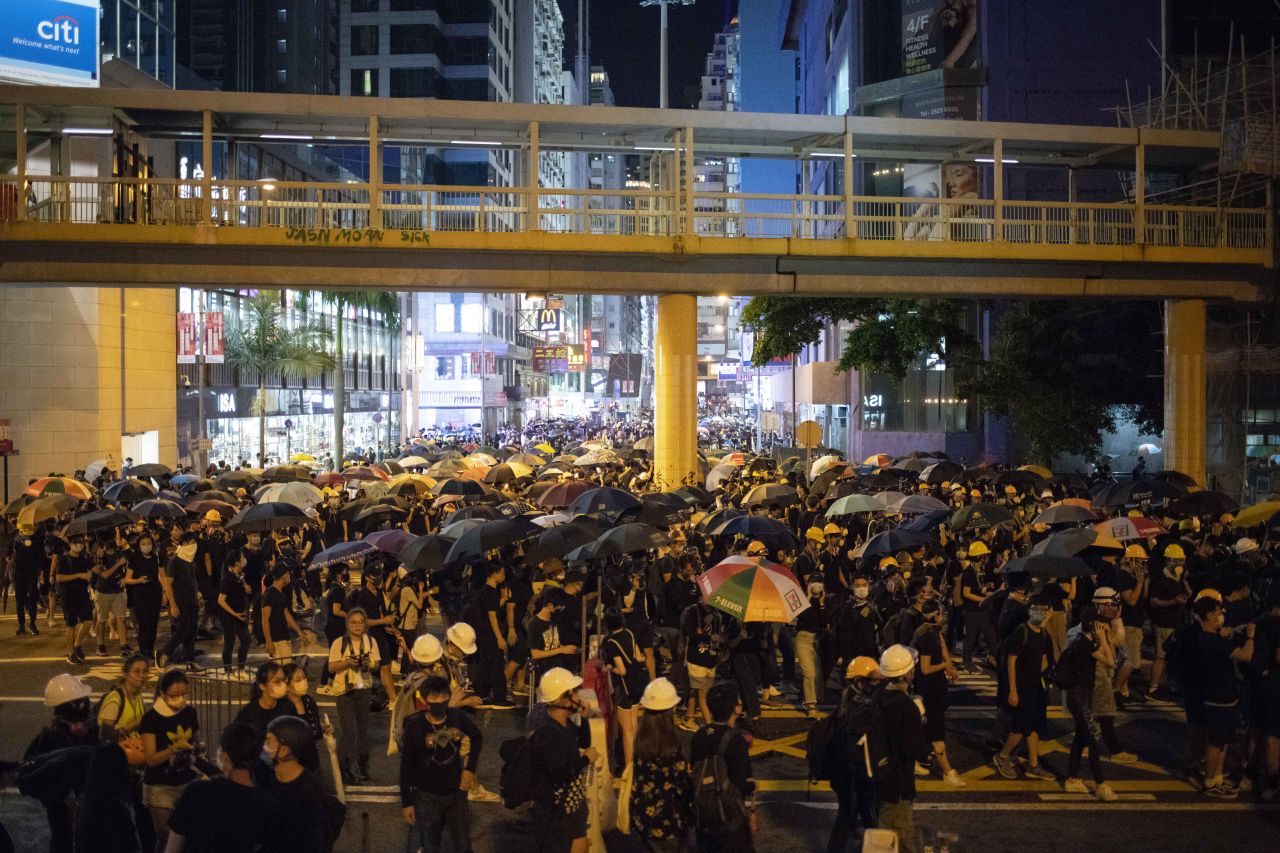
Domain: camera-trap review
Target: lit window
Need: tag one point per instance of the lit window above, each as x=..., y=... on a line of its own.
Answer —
x=281, y=75
x=282, y=45
x=282, y=15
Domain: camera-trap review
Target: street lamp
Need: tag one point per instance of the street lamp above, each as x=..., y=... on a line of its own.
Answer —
x=662, y=51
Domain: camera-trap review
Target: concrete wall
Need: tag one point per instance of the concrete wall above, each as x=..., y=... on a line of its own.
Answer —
x=61, y=375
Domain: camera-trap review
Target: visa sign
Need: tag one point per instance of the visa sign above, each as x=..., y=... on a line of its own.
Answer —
x=49, y=42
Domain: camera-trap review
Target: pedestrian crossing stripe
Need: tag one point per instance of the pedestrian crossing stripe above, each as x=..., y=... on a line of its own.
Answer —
x=993, y=786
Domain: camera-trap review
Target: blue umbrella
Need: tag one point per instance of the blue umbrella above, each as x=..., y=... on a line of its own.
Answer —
x=893, y=541
x=341, y=553
x=927, y=521
x=767, y=530
x=603, y=500
x=182, y=479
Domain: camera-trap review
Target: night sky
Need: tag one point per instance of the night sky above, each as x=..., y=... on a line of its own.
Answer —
x=624, y=39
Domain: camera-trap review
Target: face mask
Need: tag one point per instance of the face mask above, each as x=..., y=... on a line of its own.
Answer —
x=269, y=757
x=1037, y=616
x=437, y=709
x=146, y=549
x=277, y=691
x=176, y=704
x=1174, y=572
x=186, y=553
x=301, y=686
x=861, y=592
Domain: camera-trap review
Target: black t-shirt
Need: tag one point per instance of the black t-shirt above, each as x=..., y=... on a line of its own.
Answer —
x=1216, y=671
x=928, y=642
x=256, y=560
x=971, y=582
x=181, y=575
x=145, y=567
x=1132, y=615
x=294, y=817
x=544, y=635
x=336, y=625
x=167, y=730
x=737, y=755
x=233, y=586
x=1031, y=647
x=1166, y=588
x=74, y=564
x=557, y=762
x=112, y=582
x=369, y=602
x=1082, y=663
x=275, y=599
x=29, y=558
x=622, y=644
x=701, y=627
x=219, y=816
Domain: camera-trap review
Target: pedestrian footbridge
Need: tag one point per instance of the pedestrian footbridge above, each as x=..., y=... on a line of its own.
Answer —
x=114, y=186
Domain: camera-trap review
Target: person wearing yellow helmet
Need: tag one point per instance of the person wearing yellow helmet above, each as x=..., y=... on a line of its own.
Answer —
x=975, y=588
x=30, y=562
x=1169, y=597
x=1132, y=582
x=855, y=795
x=1217, y=653
x=835, y=567
x=808, y=564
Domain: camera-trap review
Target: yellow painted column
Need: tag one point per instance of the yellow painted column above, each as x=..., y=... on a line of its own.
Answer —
x=675, y=443
x=1184, y=387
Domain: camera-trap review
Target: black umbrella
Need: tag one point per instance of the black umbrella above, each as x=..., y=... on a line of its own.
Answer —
x=824, y=481
x=1074, y=482
x=712, y=520
x=979, y=516
x=1177, y=478
x=426, y=553
x=352, y=509
x=982, y=473
x=390, y=467
x=150, y=469
x=287, y=474
x=771, y=494
x=1017, y=478
x=159, y=509
x=602, y=500
x=484, y=512
x=650, y=513
x=479, y=541
x=204, y=484
x=941, y=472
x=1065, y=514
x=670, y=500
x=341, y=553
x=893, y=541
x=1136, y=492
x=1078, y=542
x=98, y=522
x=214, y=495
x=453, y=530
x=1047, y=566
x=1202, y=503
x=466, y=488
x=695, y=495
x=128, y=491
x=843, y=488
x=503, y=473
x=15, y=506
x=767, y=530
x=628, y=539
x=377, y=510
x=558, y=541
x=261, y=518
x=237, y=479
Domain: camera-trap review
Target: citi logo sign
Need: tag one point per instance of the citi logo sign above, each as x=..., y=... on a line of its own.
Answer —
x=63, y=29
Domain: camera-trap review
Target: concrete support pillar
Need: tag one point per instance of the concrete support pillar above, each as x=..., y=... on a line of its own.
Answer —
x=1184, y=387
x=675, y=445
x=375, y=175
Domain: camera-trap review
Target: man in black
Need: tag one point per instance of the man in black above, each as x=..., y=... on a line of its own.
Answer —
x=29, y=562
x=224, y=814
x=905, y=745
x=1219, y=690
x=73, y=572
x=179, y=583
x=726, y=707
x=278, y=625
x=546, y=647
x=1027, y=657
x=559, y=762
x=438, y=762
x=488, y=608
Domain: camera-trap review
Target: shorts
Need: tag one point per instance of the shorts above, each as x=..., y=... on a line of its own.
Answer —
x=555, y=831
x=1132, y=645
x=1194, y=708
x=282, y=650
x=1031, y=714
x=642, y=630
x=935, y=718
x=161, y=796
x=701, y=677
x=1267, y=700
x=76, y=608
x=1220, y=725
x=109, y=605
x=1162, y=637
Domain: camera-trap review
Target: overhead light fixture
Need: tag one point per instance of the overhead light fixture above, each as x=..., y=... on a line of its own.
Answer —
x=87, y=131
x=652, y=148
x=287, y=137
x=991, y=160
x=837, y=154
x=490, y=143
x=267, y=183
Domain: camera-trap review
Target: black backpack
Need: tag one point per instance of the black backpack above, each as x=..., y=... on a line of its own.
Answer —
x=718, y=807
x=1066, y=671
x=820, y=748
x=518, y=779
x=862, y=734
x=1182, y=655
x=901, y=627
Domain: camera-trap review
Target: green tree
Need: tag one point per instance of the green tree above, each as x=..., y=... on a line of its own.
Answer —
x=258, y=340
x=381, y=301
x=1060, y=371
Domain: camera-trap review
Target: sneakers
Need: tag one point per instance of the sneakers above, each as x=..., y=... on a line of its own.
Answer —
x=1105, y=793
x=952, y=778
x=22, y=630
x=1004, y=766
x=1075, y=786
x=686, y=724
x=481, y=794
x=326, y=690
x=79, y=655
x=1041, y=774
x=771, y=692
x=1124, y=758
x=812, y=713
x=35, y=632
x=102, y=650
x=1154, y=698
x=921, y=770
x=125, y=651
x=496, y=705
x=1221, y=791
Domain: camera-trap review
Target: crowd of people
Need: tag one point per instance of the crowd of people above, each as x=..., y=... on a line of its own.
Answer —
x=459, y=578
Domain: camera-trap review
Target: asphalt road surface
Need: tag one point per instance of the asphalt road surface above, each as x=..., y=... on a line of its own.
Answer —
x=1158, y=810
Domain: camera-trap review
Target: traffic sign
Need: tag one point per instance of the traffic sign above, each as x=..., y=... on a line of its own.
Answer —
x=808, y=434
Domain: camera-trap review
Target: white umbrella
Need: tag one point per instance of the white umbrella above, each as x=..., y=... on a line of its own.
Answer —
x=719, y=474
x=599, y=456
x=475, y=460
x=823, y=463
x=96, y=467
x=301, y=495
x=888, y=498
x=555, y=519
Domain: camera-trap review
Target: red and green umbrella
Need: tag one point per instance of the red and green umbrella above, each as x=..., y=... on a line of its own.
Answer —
x=753, y=590
x=59, y=486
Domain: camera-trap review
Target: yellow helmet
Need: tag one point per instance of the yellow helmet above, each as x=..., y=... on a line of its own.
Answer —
x=212, y=515
x=815, y=534
x=757, y=547
x=1135, y=552
x=924, y=487
x=974, y=493
x=887, y=562
x=1209, y=592
x=861, y=667
x=978, y=549
x=1174, y=552
x=1135, y=513
x=1010, y=489
x=833, y=530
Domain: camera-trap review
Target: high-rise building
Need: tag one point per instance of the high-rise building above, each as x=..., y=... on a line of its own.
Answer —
x=286, y=46
x=140, y=33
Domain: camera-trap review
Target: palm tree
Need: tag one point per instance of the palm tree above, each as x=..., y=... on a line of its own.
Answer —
x=259, y=341
x=381, y=301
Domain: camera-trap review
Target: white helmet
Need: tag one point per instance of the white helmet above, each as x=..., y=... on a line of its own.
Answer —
x=463, y=636
x=426, y=650
x=556, y=682
x=64, y=688
x=659, y=695
x=896, y=661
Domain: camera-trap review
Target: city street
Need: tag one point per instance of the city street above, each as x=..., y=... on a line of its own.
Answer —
x=991, y=814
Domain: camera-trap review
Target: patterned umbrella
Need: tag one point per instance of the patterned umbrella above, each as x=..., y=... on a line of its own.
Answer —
x=1132, y=527
x=301, y=495
x=59, y=486
x=43, y=509
x=751, y=589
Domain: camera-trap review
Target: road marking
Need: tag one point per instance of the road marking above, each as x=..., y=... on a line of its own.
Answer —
x=784, y=745
x=1086, y=798
x=1094, y=805
x=996, y=786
